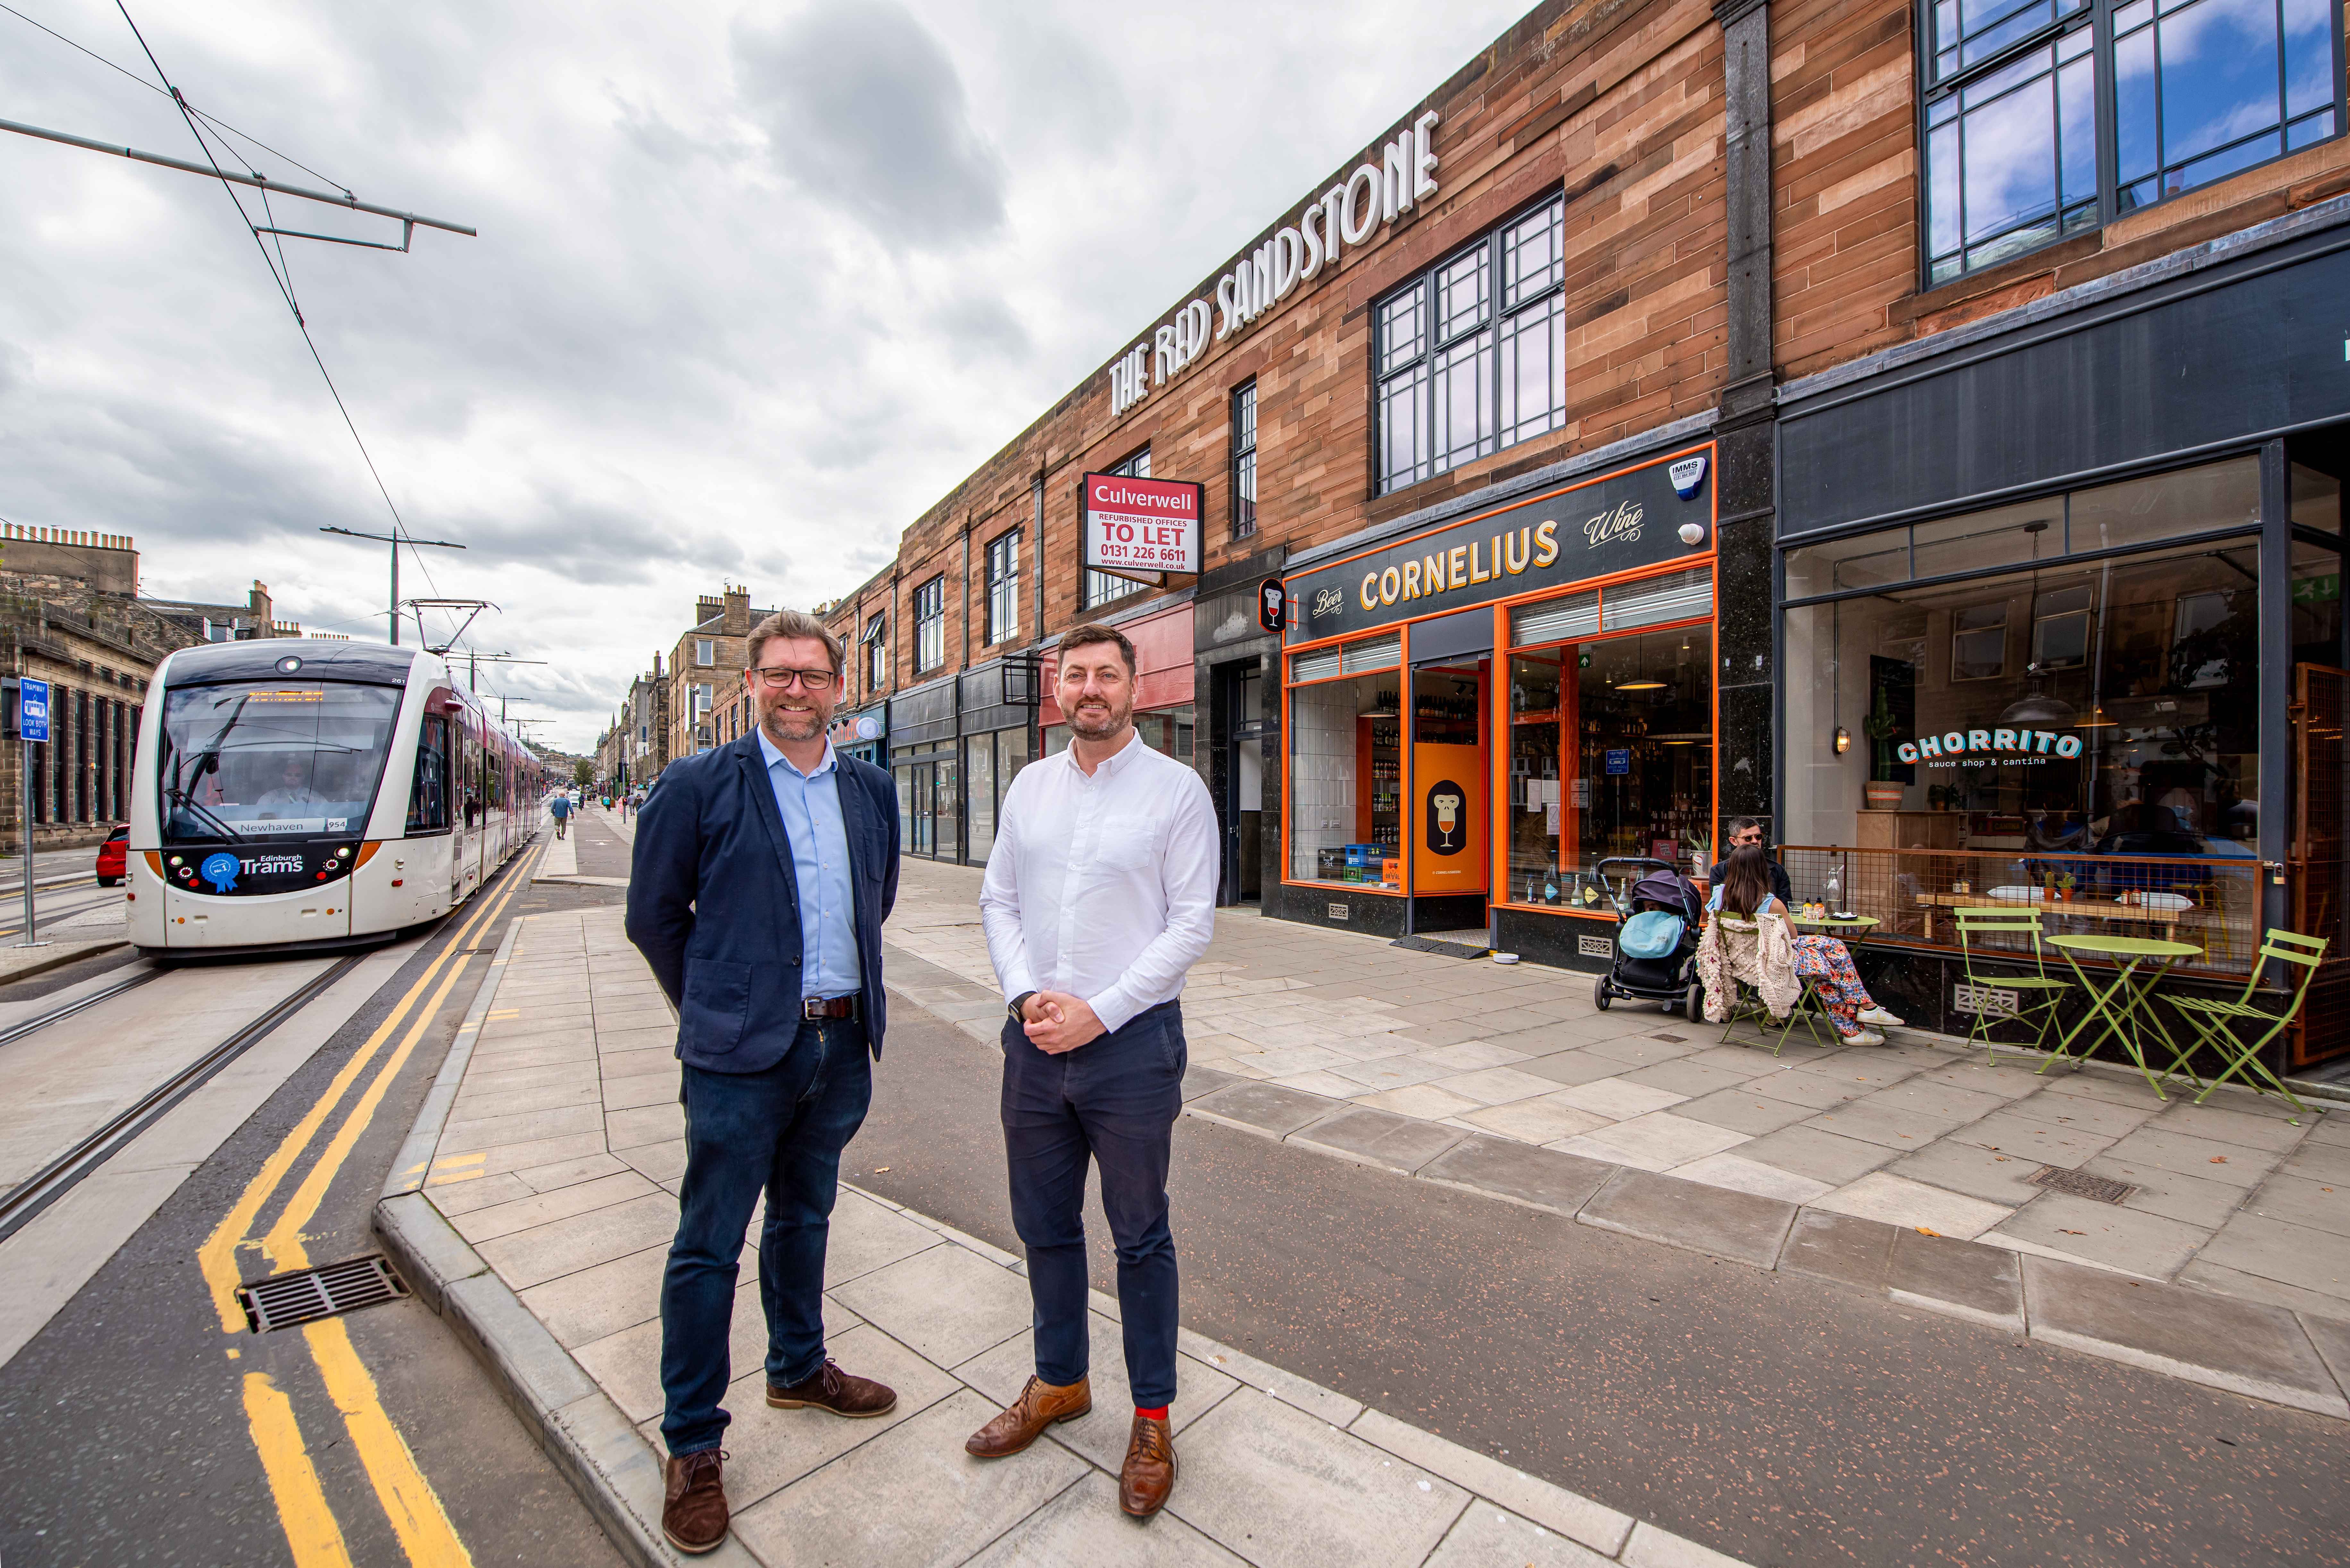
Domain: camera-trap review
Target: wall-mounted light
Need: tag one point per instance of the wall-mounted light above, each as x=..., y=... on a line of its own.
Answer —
x=1843, y=739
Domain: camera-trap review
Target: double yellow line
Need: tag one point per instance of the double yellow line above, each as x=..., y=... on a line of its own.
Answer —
x=407, y=1498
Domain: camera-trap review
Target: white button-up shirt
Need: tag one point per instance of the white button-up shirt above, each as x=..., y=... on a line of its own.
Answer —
x=1102, y=887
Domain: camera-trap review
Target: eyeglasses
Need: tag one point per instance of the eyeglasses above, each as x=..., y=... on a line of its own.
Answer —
x=1752, y=836
x=780, y=680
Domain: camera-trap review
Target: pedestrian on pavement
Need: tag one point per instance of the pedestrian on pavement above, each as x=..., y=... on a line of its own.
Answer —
x=760, y=878
x=1100, y=894
x=560, y=809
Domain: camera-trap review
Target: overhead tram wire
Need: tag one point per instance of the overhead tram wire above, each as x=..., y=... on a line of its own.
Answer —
x=217, y=124
x=285, y=282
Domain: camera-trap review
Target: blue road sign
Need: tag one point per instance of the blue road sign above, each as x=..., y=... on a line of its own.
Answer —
x=1619, y=762
x=32, y=709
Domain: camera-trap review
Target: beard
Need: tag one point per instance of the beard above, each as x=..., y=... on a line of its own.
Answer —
x=1096, y=723
x=794, y=723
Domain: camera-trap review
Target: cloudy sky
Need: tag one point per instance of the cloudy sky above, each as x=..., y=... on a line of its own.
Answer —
x=755, y=285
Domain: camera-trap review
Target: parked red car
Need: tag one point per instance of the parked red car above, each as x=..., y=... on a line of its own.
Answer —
x=110, y=857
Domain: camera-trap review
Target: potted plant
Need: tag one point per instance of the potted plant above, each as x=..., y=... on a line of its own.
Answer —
x=1700, y=848
x=2065, y=881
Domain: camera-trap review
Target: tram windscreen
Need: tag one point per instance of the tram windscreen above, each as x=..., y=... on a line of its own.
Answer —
x=272, y=759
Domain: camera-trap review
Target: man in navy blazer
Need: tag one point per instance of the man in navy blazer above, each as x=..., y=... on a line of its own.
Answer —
x=763, y=872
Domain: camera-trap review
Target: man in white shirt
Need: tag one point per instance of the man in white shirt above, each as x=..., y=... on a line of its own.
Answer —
x=1100, y=894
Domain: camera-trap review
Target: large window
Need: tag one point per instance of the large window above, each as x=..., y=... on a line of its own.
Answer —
x=1611, y=754
x=268, y=759
x=1101, y=587
x=931, y=625
x=2015, y=136
x=1003, y=586
x=2023, y=702
x=1346, y=779
x=877, y=654
x=1472, y=355
x=1244, y=460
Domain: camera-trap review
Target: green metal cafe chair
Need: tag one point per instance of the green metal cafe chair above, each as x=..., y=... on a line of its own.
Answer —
x=2216, y=1022
x=2038, y=994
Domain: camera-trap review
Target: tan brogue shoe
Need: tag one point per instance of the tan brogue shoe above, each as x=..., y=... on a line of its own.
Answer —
x=1148, y=1475
x=842, y=1393
x=693, y=1510
x=1040, y=1405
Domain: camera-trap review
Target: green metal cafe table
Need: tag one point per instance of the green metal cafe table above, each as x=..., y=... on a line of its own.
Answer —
x=2126, y=1008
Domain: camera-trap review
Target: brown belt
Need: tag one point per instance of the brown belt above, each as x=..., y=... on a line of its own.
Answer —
x=828, y=1007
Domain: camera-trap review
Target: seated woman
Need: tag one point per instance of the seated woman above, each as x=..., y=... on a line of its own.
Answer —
x=1745, y=892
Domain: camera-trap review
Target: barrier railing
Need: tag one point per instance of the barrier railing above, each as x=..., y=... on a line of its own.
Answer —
x=2212, y=902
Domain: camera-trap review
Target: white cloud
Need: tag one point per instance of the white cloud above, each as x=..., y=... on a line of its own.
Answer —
x=753, y=287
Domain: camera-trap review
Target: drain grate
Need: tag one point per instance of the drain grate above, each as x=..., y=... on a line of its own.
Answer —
x=1675, y=1039
x=2080, y=1184
x=307, y=1294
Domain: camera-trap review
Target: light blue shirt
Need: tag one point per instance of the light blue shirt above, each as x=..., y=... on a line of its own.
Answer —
x=810, y=805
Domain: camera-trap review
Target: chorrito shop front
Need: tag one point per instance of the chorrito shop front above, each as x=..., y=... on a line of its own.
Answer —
x=1475, y=715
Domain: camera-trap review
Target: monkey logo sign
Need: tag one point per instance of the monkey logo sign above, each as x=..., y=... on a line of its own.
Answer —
x=1271, y=605
x=1445, y=827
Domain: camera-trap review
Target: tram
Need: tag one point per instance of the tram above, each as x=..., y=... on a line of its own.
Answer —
x=293, y=795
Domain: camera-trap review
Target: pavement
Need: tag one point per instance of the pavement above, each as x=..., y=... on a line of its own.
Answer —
x=1428, y=1063
x=533, y=1208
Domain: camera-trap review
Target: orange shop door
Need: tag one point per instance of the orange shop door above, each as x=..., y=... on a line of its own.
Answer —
x=1447, y=819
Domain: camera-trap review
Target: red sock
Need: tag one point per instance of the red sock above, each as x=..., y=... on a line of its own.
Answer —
x=1158, y=1415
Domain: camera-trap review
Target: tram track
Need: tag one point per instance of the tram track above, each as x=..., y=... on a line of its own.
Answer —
x=32, y=1026
x=25, y=1201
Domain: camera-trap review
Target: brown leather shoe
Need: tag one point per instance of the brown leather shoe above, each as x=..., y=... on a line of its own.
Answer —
x=1023, y=1420
x=694, y=1511
x=842, y=1393
x=1149, y=1473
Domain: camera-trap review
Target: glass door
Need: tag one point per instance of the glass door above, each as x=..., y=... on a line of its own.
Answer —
x=1450, y=785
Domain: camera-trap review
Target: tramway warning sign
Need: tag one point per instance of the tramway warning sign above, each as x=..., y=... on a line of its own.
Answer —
x=1139, y=527
x=32, y=709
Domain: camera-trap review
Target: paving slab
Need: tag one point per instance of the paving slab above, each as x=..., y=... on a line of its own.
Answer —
x=1687, y=1214
x=1740, y=1109
x=2294, y=1254
x=1822, y=1156
x=1381, y=1139
x=2331, y=1335
x=547, y=1251
x=1572, y=1067
x=947, y=1303
x=1538, y=1178
x=1592, y=1524
x=1870, y=1120
x=2242, y=1346
x=2298, y=1201
x=2197, y=1200
x=2023, y=1131
x=582, y=1307
x=1083, y=1525
x=1897, y=1200
x=2118, y=1238
x=1963, y=1278
x=1486, y=1535
x=908, y=1496
x=1840, y=1247
x=1741, y=1175
x=864, y=1236
x=1657, y=1141
x=1978, y=1172
x=1544, y=1119
x=2230, y=1164
x=1272, y=1483
x=1266, y=1110
x=2266, y=1124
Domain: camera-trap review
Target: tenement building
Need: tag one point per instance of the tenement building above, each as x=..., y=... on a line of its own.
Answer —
x=1920, y=427
x=70, y=611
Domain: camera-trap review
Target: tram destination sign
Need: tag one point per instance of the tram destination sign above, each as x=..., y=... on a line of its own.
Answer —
x=1137, y=528
x=1641, y=516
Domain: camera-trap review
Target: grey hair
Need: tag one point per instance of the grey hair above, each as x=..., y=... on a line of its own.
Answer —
x=795, y=623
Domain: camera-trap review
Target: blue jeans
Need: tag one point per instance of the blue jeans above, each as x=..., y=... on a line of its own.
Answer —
x=780, y=1130
x=1112, y=1101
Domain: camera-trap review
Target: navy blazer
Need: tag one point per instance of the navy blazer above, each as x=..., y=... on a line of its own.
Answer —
x=714, y=904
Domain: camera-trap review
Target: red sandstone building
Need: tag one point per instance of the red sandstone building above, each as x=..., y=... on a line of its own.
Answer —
x=1922, y=427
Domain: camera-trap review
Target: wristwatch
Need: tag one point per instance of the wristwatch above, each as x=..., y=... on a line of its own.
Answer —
x=1018, y=1007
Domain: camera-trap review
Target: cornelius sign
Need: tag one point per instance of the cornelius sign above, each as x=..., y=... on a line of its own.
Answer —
x=1134, y=526
x=1615, y=523
x=1350, y=213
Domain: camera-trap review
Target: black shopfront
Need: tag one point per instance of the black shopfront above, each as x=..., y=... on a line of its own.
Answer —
x=955, y=744
x=2064, y=590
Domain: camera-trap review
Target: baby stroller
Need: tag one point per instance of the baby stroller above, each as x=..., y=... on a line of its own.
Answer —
x=1655, y=937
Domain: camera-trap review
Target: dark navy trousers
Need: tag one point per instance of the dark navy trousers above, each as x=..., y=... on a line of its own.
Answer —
x=1111, y=1102
x=780, y=1132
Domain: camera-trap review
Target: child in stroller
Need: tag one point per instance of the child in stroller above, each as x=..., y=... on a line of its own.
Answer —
x=1655, y=942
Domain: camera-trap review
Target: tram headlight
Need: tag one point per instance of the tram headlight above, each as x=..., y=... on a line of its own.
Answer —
x=288, y=665
x=176, y=861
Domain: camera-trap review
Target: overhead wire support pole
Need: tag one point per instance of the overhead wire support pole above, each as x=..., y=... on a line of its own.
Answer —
x=396, y=540
x=258, y=181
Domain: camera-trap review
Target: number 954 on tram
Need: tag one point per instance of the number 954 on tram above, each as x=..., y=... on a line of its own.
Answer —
x=298, y=795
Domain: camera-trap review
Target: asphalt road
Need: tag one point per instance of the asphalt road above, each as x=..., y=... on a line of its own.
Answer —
x=125, y=1421
x=1785, y=1420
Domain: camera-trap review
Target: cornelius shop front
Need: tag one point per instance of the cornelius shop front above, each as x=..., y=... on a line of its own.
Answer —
x=1475, y=715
